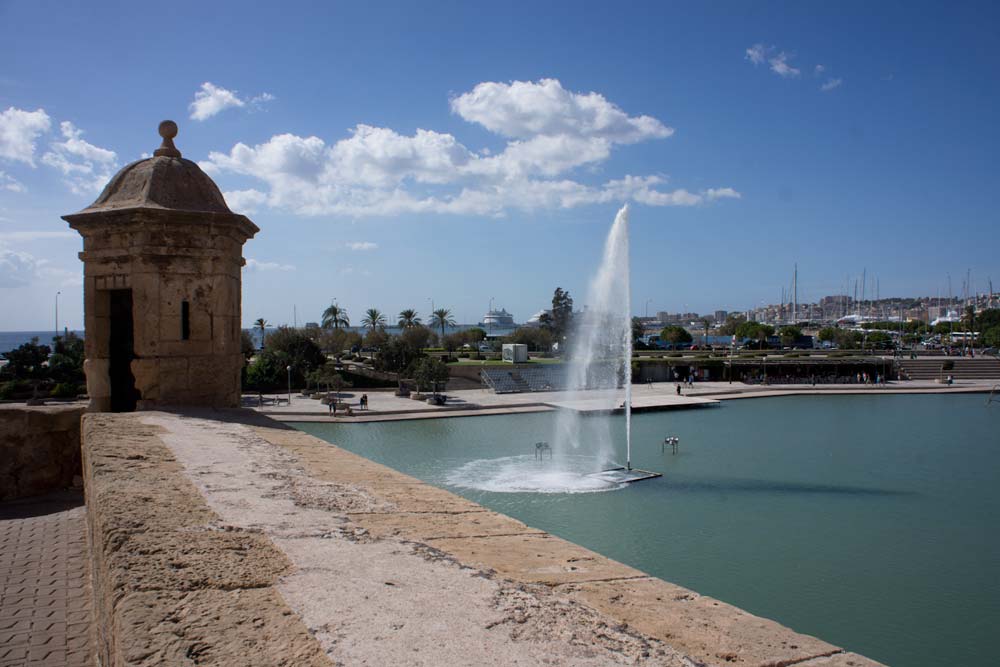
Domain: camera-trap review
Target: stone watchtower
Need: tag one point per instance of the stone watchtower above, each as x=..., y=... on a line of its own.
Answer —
x=162, y=255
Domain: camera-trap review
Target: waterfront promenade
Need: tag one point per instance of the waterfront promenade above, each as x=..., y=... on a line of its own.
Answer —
x=384, y=405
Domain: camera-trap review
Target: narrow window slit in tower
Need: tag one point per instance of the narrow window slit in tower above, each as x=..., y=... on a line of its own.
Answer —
x=185, y=320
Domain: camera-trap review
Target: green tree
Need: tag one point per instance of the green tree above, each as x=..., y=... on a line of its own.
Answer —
x=374, y=319
x=732, y=322
x=247, y=346
x=536, y=338
x=430, y=372
x=969, y=321
x=880, y=340
x=754, y=331
x=335, y=317
x=66, y=362
x=327, y=375
x=827, y=335
x=474, y=335
x=286, y=347
x=335, y=341
x=408, y=318
x=638, y=330
x=376, y=338
x=416, y=337
x=675, y=334
x=261, y=324
x=848, y=339
x=789, y=335
x=706, y=325
x=562, y=313
x=988, y=319
x=442, y=318
x=27, y=361
x=991, y=337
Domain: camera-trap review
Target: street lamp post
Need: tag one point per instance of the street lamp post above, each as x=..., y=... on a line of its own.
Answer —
x=289, y=369
x=647, y=308
x=57, y=312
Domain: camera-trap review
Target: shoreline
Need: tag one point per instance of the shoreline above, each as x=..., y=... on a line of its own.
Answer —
x=646, y=398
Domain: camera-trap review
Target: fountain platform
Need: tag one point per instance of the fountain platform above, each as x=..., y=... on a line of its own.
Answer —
x=640, y=403
x=621, y=475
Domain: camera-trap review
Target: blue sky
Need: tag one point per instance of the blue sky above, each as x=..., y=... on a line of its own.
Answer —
x=395, y=153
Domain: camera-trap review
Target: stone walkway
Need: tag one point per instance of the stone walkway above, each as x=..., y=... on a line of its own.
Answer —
x=44, y=582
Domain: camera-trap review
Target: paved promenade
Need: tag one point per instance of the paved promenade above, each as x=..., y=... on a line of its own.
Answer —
x=385, y=406
x=44, y=582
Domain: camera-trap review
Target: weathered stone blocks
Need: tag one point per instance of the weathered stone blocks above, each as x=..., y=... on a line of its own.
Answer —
x=39, y=448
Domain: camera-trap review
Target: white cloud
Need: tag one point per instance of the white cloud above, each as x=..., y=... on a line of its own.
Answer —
x=524, y=109
x=780, y=66
x=258, y=101
x=831, y=84
x=19, y=129
x=722, y=193
x=377, y=171
x=819, y=69
x=59, y=276
x=32, y=235
x=19, y=269
x=255, y=265
x=245, y=201
x=757, y=54
x=212, y=99
x=10, y=183
x=87, y=167
x=362, y=245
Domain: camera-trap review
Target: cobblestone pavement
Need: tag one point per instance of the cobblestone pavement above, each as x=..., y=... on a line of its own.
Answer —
x=44, y=583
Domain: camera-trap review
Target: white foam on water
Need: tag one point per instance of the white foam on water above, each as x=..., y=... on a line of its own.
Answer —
x=527, y=474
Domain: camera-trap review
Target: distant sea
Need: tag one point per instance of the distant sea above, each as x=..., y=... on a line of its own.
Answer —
x=13, y=339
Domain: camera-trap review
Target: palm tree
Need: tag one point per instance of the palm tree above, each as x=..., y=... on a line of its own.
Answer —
x=408, y=318
x=373, y=319
x=442, y=318
x=335, y=317
x=706, y=324
x=261, y=324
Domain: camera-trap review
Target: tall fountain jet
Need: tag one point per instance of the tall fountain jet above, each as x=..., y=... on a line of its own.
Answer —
x=586, y=449
x=600, y=354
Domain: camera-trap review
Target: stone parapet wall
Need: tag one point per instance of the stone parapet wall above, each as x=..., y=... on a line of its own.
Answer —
x=39, y=448
x=224, y=538
x=172, y=584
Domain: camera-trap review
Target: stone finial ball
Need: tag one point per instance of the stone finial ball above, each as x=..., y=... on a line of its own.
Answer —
x=168, y=129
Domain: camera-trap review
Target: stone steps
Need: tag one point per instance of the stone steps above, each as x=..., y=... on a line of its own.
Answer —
x=963, y=368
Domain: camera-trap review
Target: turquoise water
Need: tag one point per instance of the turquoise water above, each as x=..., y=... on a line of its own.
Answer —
x=869, y=521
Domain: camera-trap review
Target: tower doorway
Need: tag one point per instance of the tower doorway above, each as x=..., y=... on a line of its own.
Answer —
x=122, y=350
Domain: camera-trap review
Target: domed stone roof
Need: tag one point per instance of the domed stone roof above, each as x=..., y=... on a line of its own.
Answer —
x=165, y=181
x=162, y=182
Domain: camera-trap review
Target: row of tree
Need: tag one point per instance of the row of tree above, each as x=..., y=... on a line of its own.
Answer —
x=33, y=369
x=336, y=317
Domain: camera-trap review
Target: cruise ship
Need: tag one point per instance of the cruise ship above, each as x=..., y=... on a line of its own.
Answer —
x=499, y=319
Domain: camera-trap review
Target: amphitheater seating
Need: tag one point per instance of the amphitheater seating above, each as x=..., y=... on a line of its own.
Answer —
x=515, y=380
x=964, y=368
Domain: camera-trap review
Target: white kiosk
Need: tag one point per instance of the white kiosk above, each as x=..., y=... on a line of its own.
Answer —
x=515, y=352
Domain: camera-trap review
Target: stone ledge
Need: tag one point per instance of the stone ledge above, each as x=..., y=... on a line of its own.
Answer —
x=708, y=631
x=202, y=522
x=39, y=448
x=171, y=584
